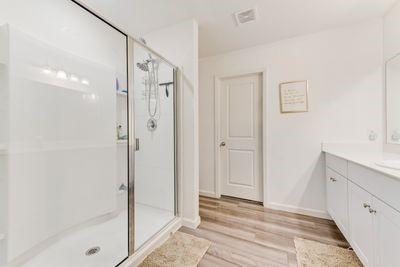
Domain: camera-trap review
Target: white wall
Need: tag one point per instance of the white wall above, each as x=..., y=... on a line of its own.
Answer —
x=179, y=44
x=344, y=69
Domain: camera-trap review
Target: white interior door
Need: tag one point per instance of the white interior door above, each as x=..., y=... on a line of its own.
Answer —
x=240, y=144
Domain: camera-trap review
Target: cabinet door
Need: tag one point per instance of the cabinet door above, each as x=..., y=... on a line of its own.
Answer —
x=336, y=189
x=361, y=223
x=387, y=234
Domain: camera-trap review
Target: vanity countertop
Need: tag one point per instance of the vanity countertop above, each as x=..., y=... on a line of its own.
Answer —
x=364, y=154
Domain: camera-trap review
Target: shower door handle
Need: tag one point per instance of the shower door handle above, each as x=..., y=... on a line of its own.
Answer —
x=137, y=144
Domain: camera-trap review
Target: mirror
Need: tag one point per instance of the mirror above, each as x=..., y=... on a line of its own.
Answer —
x=393, y=99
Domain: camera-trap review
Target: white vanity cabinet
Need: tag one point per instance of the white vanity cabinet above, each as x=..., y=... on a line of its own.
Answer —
x=365, y=204
x=387, y=234
x=336, y=190
x=361, y=223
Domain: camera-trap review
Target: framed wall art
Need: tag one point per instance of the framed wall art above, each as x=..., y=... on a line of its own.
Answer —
x=293, y=96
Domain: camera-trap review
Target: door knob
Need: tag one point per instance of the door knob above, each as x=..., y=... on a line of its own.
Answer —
x=222, y=144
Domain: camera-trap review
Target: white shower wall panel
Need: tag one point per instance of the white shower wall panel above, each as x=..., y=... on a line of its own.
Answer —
x=61, y=147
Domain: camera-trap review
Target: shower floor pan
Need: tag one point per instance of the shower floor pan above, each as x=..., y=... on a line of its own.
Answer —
x=104, y=244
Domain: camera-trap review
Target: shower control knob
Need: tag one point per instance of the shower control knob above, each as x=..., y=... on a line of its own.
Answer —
x=372, y=211
x=222, y=144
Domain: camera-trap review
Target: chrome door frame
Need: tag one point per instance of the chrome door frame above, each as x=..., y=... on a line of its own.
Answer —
x=131, y=42
x=131, y=147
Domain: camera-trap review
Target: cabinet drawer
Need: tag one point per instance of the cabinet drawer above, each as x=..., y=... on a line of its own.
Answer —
x=383, y=187
x=337, y=195
x=339, y=165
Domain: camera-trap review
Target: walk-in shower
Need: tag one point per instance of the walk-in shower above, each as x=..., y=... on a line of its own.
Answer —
x=84, y=179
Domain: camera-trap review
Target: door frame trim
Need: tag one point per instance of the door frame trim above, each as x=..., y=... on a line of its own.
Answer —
x=217, y=122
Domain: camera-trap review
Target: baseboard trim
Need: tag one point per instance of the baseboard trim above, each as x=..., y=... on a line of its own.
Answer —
x=153, y=243
x=193, y=224
x=309, y=212
x=208, y=194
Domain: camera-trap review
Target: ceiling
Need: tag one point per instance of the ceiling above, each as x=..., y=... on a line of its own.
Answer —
x=218, y=33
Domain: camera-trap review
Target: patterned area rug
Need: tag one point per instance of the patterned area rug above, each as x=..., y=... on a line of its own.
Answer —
x=179, y=250
x=315, y=254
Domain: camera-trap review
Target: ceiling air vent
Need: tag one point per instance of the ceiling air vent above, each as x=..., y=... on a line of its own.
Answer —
x=245, y=16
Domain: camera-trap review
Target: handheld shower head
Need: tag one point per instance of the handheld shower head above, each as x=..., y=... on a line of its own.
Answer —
x=143, y=66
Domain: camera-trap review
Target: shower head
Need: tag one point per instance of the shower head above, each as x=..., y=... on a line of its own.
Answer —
x=143, y=66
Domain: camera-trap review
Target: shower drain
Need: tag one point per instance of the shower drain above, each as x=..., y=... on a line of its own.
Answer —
x=92, y=251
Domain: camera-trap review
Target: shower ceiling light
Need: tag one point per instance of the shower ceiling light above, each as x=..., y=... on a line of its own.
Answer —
x=74, y=78
x=47, y=70
x=85, y=82
x=61, y=75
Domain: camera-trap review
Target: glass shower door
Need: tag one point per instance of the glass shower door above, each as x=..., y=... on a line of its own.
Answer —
x=63, y=137
x=154, y=130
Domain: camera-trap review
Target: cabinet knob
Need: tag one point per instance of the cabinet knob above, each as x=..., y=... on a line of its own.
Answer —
x=365, y=205
x=222, y=144
x=372, y=211
x=333, y=179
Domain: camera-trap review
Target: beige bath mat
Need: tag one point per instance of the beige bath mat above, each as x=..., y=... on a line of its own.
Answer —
x=315, y=254
x=179, y=250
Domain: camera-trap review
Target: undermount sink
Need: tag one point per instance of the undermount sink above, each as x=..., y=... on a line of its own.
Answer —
x=390, y=164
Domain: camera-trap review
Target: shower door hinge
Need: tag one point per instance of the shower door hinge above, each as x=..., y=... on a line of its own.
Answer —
x=136, y=144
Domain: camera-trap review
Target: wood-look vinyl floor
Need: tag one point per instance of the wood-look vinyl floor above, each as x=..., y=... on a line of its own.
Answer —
x=247, y=234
